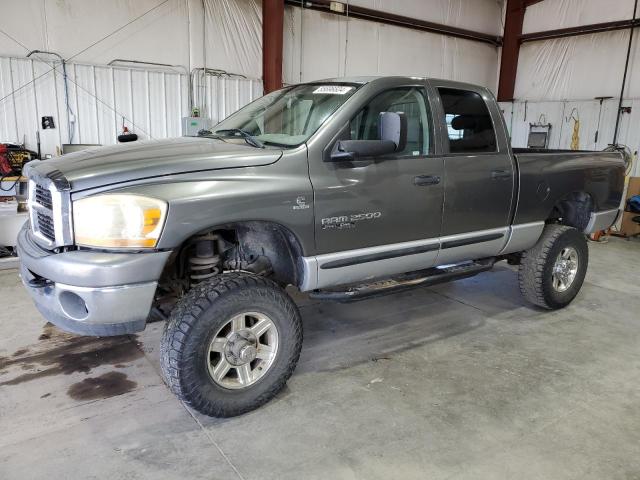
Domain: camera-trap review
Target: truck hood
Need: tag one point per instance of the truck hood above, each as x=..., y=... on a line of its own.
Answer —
x=152, y=158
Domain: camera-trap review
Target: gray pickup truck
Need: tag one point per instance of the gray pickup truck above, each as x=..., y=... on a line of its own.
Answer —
x=344, y=188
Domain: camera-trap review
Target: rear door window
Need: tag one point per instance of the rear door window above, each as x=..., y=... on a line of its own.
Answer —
x=469, y=125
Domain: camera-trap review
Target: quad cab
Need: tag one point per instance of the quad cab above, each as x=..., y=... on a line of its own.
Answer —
x=343, y=188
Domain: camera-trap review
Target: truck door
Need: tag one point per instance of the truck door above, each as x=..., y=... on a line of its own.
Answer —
x=378, y=216
x=479, y=174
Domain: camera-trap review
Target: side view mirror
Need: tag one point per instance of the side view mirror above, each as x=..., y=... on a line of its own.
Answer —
x=392, y=134
x=393, y=127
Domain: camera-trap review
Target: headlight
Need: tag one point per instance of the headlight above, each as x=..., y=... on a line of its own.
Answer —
x=118, y=221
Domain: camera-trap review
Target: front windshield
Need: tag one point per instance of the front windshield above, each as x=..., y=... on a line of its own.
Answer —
x=287, y=117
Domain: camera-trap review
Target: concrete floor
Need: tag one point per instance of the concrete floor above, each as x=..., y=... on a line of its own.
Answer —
x=463, y=380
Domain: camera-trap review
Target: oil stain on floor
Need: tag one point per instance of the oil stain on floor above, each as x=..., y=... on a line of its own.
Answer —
x=60, y=353
x=107, y=385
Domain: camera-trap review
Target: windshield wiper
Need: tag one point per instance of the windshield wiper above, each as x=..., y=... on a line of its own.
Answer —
x=209, y=134
x=250, y=139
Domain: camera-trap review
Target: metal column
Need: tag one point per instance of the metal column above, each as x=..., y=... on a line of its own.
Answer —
x=272, y=33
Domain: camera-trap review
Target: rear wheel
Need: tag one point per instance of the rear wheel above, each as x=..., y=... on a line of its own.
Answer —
x=553, y=270
x=231, y=344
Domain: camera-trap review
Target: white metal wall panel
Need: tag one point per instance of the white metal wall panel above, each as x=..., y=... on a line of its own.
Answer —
x=593, y=117
x=141, y=117
x=152, y=102
x=106, y=105
x=175, y=102
x=507, y=112
x=46, y=97
x=225, y=95
x=81, y=83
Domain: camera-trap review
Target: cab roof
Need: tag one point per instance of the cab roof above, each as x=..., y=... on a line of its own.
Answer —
x=362, y=80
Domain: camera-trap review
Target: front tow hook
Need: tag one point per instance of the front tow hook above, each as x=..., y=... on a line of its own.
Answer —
x=40, y=283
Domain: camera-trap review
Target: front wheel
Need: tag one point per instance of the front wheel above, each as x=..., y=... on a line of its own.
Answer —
x=553, y=270
x=231, y=344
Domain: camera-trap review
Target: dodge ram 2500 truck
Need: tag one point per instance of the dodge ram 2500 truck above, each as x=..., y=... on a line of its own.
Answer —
x=343, y=188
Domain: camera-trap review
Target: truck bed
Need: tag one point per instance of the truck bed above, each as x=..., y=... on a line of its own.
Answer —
x=546, y=177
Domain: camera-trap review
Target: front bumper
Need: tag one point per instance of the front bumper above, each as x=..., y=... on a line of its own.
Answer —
x=90, y=293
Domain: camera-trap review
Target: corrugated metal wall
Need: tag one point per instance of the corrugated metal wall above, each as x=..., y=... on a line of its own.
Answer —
x=219, y=97
x=593, y=117
x=152, y=102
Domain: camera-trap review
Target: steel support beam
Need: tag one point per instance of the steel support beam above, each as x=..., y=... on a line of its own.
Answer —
x=514, y=20
x=580, y=30
x=272, y=34
x=387, y=18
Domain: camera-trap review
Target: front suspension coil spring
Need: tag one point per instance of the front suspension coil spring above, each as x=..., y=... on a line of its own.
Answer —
x=205, y=263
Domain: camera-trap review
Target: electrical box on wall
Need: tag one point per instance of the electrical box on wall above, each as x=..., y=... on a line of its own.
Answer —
x=47, y=122
x=192, y=125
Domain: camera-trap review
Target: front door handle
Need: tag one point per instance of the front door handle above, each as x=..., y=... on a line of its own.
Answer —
x=497, y=174
x=424, y=180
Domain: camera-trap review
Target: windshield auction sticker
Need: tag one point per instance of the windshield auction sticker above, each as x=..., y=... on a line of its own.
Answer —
x=333, y=89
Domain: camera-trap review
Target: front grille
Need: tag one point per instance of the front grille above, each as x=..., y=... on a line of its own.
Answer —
x=42, y=207
x=50, y=208
x=45, y=225
x=43, y=197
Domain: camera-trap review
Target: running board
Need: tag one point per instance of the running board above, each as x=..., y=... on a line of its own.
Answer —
x=405, y=281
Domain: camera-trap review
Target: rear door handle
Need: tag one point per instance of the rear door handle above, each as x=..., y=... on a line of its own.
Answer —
x=497, y=174
x=424, y=180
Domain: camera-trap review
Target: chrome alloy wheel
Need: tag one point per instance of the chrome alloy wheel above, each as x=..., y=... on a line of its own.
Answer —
x=243, y=350
x=565, y=269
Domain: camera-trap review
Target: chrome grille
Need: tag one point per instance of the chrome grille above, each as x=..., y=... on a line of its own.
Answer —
x=43, y=197
x=50, y=208
x=45, y=225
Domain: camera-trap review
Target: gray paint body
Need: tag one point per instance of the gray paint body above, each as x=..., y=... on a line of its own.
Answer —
x=209, y=183
x=155, y=158
x=201, y=200
x=546, y=178
x=473, y=199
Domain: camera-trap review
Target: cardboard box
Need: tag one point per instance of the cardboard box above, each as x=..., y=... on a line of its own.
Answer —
x=634, y=187
x=628, y=227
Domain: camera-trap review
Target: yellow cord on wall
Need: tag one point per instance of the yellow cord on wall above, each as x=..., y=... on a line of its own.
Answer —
x=575, y=138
